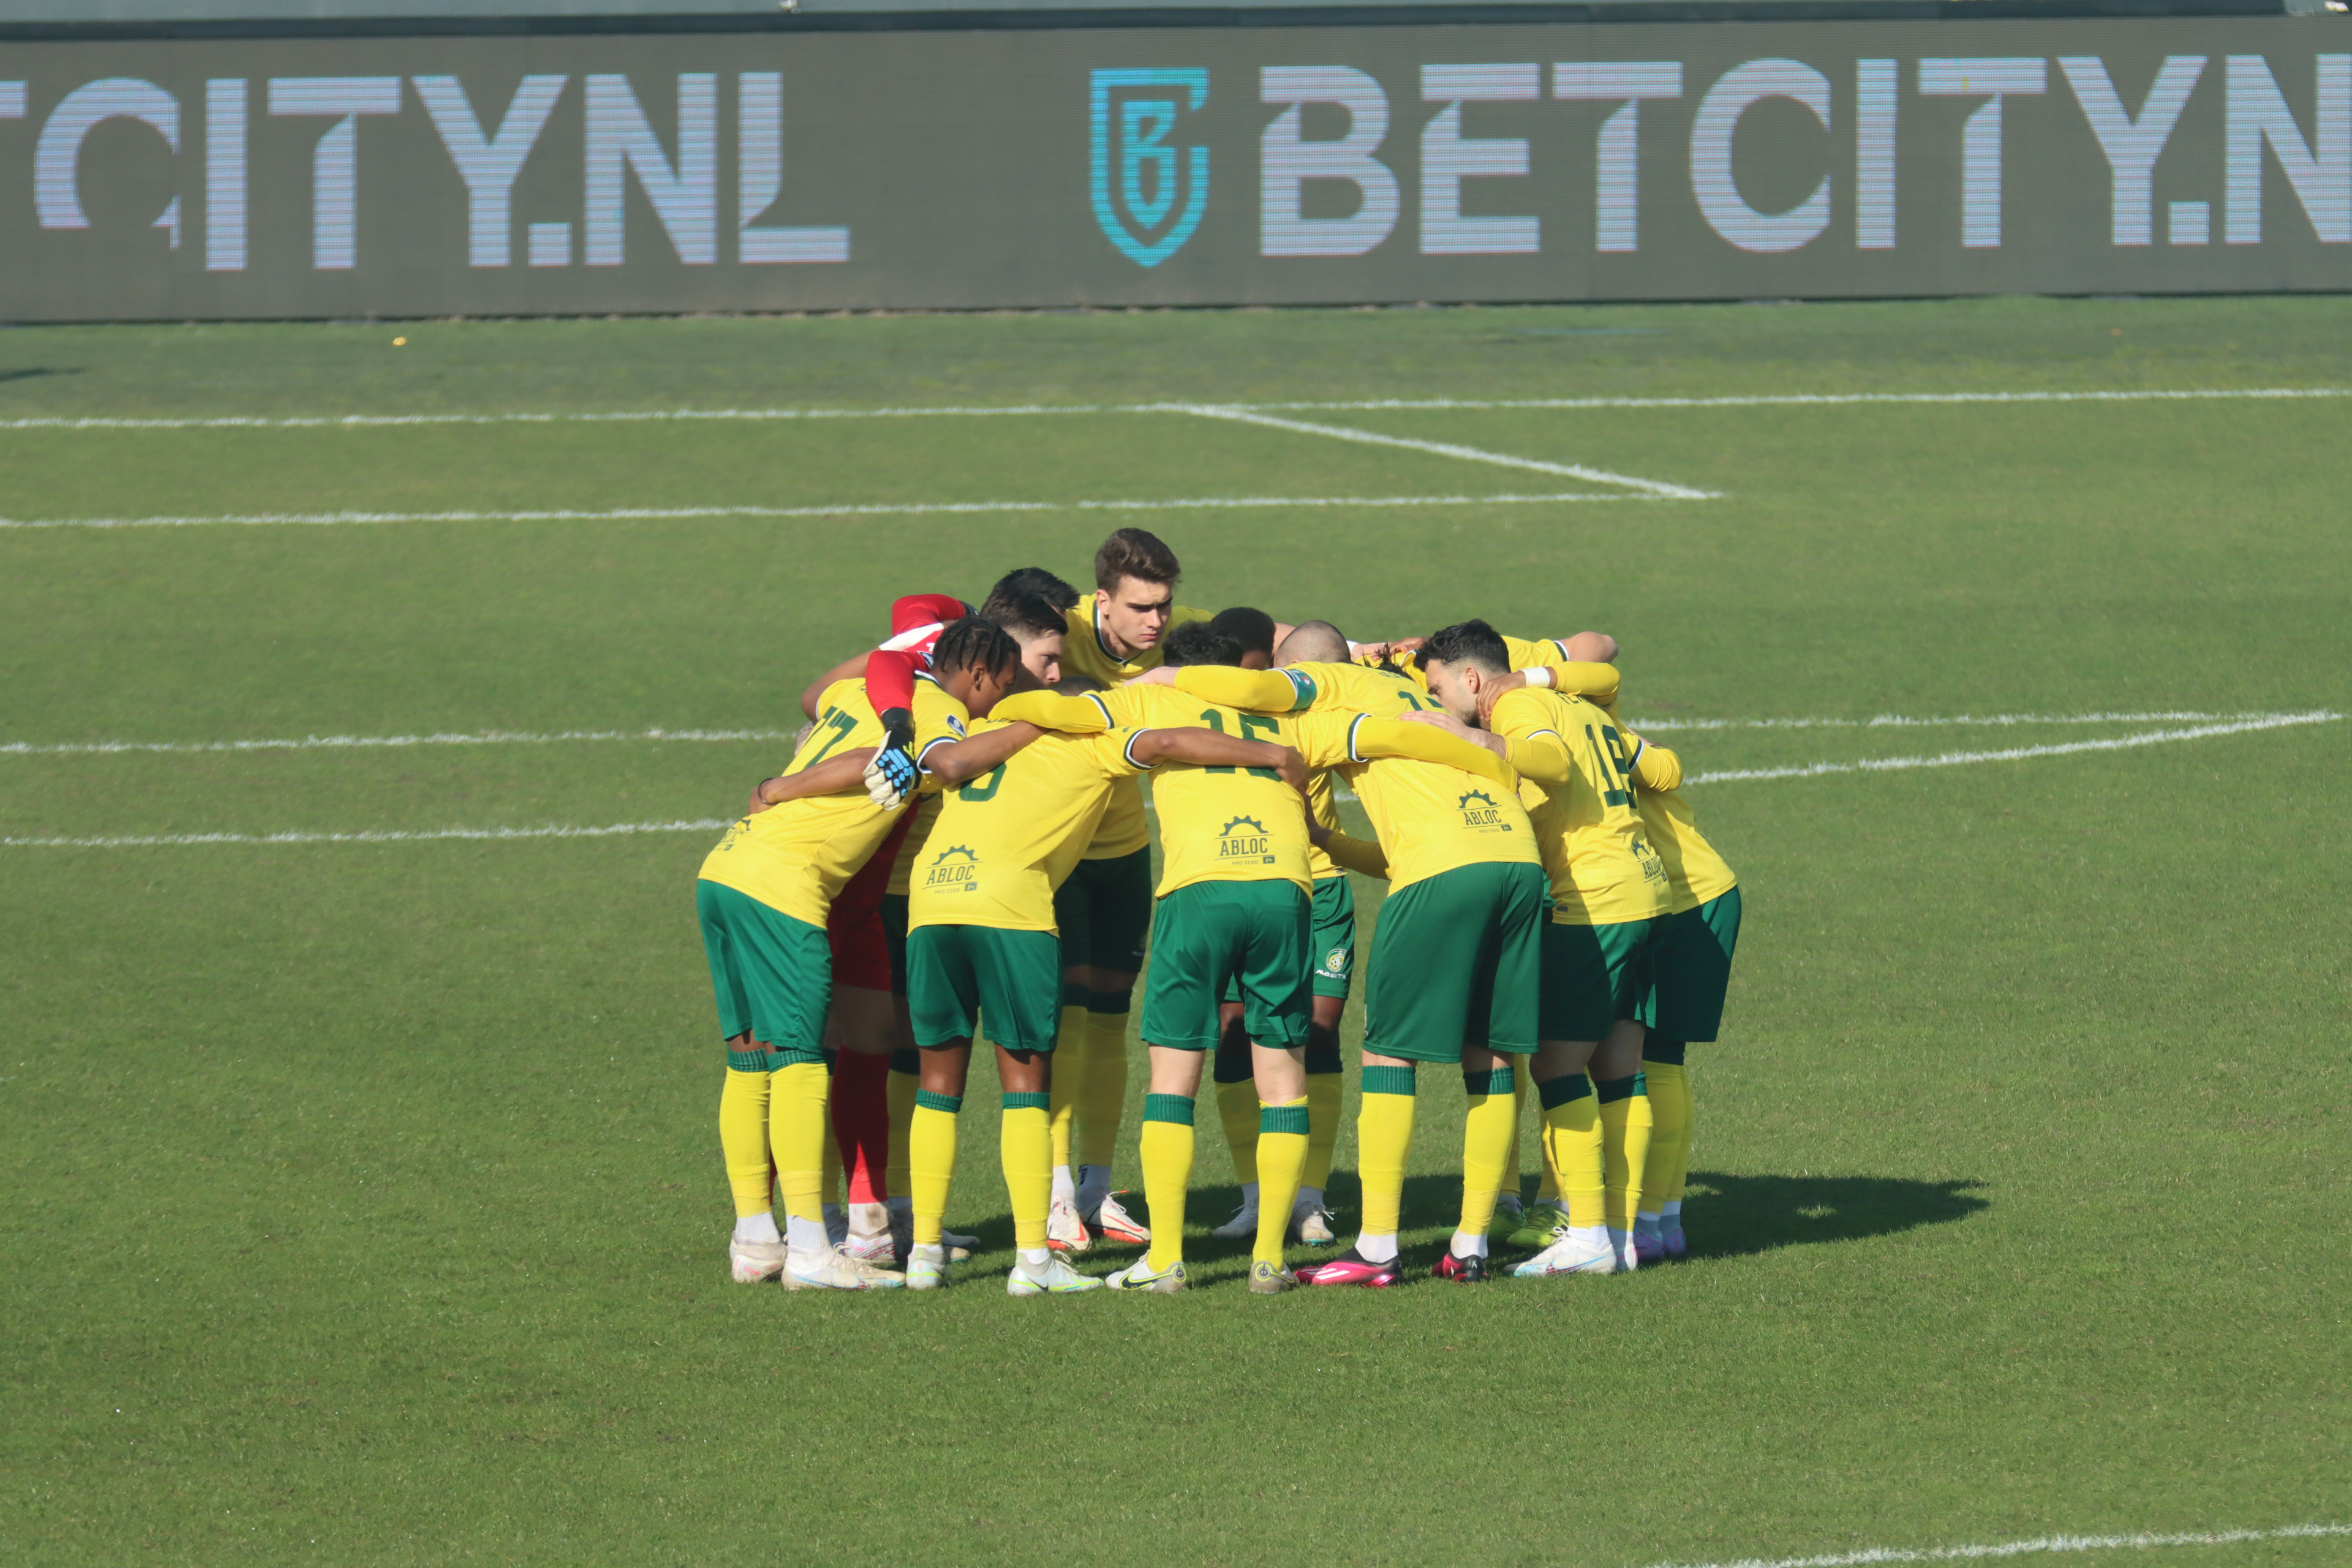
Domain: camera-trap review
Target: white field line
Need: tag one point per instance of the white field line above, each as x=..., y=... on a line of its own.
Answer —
x=430, y=834
x=2018, y=753
x=2046, y=1544
x=341, y=743
x=867, y=509
x=690, y=415
x=1948, y=759
x=557, y=737
x=1652, y=488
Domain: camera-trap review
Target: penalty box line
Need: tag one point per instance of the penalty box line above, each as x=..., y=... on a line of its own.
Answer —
x=854, y=508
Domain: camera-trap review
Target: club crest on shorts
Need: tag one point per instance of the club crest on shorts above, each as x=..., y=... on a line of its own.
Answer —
x=1149, y=191
x=1336, y=961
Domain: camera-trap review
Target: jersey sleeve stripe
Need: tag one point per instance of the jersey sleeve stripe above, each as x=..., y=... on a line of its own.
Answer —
x=1560, y=644
x=1128, y=751
x=1353, y=725
x=1302, y=690
x=1103, y=708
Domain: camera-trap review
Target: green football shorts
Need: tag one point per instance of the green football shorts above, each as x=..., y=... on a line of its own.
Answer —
x=771, y=975
x=1458, y=957
x=1595, y=975
x=1010, y=982
x=1253, y=934
x=1104, y=911
x=1691, y=971
x=1331, y=944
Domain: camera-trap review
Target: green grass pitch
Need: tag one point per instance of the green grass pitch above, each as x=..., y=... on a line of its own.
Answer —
x=363, y=1200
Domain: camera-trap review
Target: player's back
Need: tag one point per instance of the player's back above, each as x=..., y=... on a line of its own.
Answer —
x=1429, y=817
x=1006, y=840
x=1218, y=823
x=1602, y=868
x=796, y=857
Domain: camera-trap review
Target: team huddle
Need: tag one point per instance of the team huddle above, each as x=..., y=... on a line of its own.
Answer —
x=960, y=849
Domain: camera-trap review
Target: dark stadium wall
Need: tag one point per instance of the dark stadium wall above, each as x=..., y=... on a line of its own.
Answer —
x=422, y=176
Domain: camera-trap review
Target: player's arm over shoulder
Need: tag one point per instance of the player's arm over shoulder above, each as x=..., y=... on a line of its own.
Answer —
x=1528, y=724
x=1257, y=691
x=1655, y=768
x=1369, y=737
x=1081, y=715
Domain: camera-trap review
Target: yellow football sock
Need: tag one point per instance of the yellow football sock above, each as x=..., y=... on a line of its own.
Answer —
x=930, y=1161
x=905, y=1079
x=1488, y=1128
x=1571, y=1124
x=1323, y=1089
x=1102, y=1095
x=1510, y=1185
x=1624, y=1146
x=1669, y=1121
x=1237, y=1108
x=1383, y=1138
x=743, y=1132
x=1025, y=1150
x=1166, y=1152
x=799, y=1134
x=1282, y=1138
x=1069, y=1073
x=1674, y=1193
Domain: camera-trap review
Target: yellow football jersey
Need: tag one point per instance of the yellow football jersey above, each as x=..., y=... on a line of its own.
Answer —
x=794, y=857
x=1599, y=861
x=1007, y=839
x=1217, y=825
x=1549, y=653
x=1429, y=817
x=927, y=811
x=1083, y=651
x=1696, y=873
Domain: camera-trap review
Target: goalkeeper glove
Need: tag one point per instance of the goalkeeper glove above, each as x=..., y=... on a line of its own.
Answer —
x=891, y=777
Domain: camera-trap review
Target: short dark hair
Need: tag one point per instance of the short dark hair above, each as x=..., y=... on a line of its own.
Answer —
x=1038, y=581
x=1468, y=642
x=1314, y=642
x=1023, y=614
x=1200, y=642
x=974, y=643
x=1132, y=552
x=1254, y=629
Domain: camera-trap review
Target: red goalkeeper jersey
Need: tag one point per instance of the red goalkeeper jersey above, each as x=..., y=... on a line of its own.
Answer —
x=916, y=622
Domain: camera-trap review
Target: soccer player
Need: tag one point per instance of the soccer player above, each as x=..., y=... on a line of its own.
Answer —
x=763, y=896
x=1103, y=910
x=1455, y=960
x=981, y=943
x=1610, y=898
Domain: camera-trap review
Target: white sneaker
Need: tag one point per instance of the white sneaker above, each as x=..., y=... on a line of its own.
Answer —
x=754, y=1261
x=902, y=1238
x=1620, y=1242
x=1054, y=1277
x=927, y=1268
x=1242, y=1224
x=1063, y=1230
x=1138, y=1276
x=1116, y=1225
x=830, y=1270
x=1581, y=1251
x=1315, y=1226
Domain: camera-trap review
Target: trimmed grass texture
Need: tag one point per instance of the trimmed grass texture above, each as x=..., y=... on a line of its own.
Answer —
x=364, y=1200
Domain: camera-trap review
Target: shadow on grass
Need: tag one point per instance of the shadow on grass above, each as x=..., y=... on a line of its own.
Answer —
x=32, y=372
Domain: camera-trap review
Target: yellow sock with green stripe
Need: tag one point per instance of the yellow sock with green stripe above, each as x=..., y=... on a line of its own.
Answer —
x=1572, y=1123
x=1026, y=1149
x=1624, y=1146
x=1323, y=1089
x=1383, y=1138
x=1102, y=1093
x=743, y=1132
x=1167, y=1153
x=1669, y=1123
x=1237, y=1111
x=1282, y=1138
x=931, y=1159
x=1069, y=1074
x=798, y=1133
x=906, y=1077
x=1488, y=1130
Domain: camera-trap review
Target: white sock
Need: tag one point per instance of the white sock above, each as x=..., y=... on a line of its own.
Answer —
x=758, y=1227
x=1376, y=1249
x=1249, y=1197
x=805, y=1236
x=1594, y=1236
x=1066, y=1189
x=1034, y=1258
x=930, y=1254
x=1309, y=1200
x=1466, y=1244
x=1094, y=1185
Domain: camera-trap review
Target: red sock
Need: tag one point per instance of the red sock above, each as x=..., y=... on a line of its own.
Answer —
x=861, y=1123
